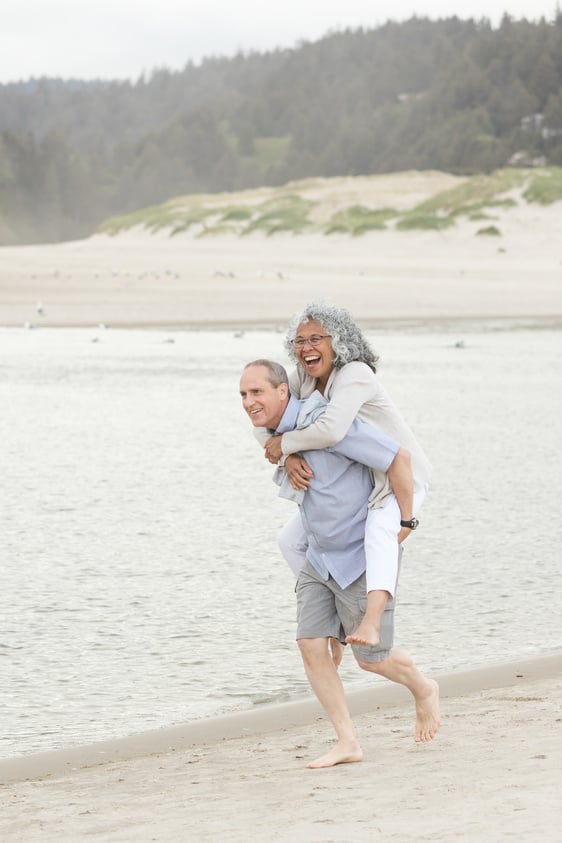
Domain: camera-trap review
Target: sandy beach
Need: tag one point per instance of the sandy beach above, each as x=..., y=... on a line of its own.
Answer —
x=140, y=279
x=494, y=771
x=492, y=774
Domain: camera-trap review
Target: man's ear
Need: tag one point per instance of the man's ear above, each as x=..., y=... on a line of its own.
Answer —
x=284, y=390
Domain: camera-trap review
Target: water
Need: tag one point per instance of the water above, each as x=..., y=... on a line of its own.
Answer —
x=142, y=586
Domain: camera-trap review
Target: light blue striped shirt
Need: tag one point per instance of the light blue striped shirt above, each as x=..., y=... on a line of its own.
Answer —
x=334, y=508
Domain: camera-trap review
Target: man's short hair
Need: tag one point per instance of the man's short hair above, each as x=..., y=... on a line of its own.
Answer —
x=276, y=373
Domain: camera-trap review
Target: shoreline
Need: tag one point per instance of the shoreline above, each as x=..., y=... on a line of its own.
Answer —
x=492, y=773
x=492, y=322
x=267, y=719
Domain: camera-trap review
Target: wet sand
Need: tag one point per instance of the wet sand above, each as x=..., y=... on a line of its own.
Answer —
x=492, y=773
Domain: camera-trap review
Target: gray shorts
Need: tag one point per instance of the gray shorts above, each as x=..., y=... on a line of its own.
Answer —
x=324, y=610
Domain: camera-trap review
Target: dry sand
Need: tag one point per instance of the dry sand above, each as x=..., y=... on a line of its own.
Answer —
x=492, y=774
x=138, y=279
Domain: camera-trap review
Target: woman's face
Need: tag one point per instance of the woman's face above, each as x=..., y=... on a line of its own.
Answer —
x=317, y=357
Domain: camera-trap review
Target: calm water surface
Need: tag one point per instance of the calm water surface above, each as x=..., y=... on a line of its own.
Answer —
x=142, y=586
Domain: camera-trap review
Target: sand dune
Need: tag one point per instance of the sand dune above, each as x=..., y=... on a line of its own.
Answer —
x=143, y=279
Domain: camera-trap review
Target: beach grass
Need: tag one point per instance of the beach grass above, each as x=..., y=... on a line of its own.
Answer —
x=293, y=208
x=545, y=187
x=477, y=192
x=489, y=231
x=236, y=214
x=359, y=219
x=287, y=212
x=171, y=215
x=424, y=221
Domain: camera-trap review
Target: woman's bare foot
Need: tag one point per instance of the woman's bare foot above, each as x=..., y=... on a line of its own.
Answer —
x=367, y=633
x=340, y=754
x=427, y=713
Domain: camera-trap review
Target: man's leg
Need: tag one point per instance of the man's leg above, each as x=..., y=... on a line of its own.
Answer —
x=293, y=545
x=317, y=623
x=395, y=665
x=327, y=686
x=399, y=667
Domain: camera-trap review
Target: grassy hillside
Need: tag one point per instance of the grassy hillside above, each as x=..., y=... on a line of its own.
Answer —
x=354, y=206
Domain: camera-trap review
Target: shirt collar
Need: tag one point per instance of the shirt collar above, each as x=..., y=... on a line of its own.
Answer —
x=290, y=416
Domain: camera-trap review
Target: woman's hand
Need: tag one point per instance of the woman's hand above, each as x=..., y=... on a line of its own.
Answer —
x=298, y=471
x=273, y=450
x=403, y=534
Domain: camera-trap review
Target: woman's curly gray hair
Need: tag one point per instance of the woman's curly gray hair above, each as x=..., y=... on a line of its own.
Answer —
x=348, y=343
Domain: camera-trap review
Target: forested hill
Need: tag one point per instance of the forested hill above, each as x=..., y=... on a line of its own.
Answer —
x=452, y=95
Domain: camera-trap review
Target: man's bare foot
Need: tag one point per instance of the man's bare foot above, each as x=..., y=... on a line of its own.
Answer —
x=340, y=754
x=427, y=713
x=366, y=633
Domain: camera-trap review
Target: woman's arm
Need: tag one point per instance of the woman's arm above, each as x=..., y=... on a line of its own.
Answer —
x=402, y=482
x=353, y=385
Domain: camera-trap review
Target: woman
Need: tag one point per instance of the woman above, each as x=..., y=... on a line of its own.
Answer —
x=333, y=357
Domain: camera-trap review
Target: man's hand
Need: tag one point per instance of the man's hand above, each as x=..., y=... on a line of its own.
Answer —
x=273, y=450
x=298, y=471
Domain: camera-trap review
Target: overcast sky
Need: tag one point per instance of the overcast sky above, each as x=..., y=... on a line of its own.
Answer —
x=117, y=39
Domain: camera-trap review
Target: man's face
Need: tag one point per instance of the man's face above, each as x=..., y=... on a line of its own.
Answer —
x=264, y=403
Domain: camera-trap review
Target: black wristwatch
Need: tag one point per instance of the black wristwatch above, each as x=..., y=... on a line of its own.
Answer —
x=411, y=524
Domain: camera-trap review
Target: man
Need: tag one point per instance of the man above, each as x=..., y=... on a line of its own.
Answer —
x=331, y=586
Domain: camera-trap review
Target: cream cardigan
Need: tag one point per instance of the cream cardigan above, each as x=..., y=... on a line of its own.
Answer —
x=355, y=391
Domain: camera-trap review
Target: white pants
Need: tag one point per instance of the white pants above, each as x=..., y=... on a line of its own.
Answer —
x=381, y=546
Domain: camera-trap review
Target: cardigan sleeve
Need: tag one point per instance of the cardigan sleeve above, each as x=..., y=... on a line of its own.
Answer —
x=353, y=385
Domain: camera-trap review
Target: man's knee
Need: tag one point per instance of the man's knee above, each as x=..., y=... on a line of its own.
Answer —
x=312, y=647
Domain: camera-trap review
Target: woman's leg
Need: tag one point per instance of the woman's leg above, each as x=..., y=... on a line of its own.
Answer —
x=293, y=543
x=381, y=552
